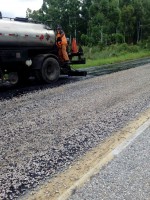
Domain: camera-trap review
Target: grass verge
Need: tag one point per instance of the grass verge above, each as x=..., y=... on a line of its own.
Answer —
x=111, y=56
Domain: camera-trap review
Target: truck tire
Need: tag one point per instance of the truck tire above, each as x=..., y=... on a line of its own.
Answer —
x=50, y=70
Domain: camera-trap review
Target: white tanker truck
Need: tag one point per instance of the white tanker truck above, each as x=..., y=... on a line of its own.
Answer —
x=30, y=48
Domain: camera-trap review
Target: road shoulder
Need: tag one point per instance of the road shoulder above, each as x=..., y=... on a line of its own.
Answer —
x=66, y=183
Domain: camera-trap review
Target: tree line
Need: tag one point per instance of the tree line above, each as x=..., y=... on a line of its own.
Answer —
x=95, y=22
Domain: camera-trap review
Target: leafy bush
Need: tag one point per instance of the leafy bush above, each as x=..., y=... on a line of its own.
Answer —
x=84, y=39
x=147, y=43
x=114, y=50
x=117, y=38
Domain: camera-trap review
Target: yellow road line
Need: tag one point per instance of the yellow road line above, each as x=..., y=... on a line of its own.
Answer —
x=65, y=183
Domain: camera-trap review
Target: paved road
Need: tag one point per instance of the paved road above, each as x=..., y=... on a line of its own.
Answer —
x=127, y=177
x=7, y=92
x=43, y=132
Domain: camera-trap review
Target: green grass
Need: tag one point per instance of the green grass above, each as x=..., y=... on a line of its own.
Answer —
x=113, y=54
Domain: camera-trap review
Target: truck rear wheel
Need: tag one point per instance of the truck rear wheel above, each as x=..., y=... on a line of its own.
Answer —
x=50, y=70
x=13, y=78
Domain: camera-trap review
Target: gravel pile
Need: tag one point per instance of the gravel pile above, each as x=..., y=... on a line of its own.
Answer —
x=43, y=132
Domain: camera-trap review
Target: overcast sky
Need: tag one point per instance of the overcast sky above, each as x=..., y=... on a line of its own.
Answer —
x=17, y=8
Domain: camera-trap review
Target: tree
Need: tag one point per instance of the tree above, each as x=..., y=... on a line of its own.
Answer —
x=98, y=21
x=128, y=21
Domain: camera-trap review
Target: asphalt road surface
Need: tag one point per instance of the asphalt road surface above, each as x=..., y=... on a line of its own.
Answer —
x=44, y=131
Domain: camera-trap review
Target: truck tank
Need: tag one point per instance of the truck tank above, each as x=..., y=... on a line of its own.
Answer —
x=15, y=33
x=29, y=49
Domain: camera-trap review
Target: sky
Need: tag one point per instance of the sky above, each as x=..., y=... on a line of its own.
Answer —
x=17, y=8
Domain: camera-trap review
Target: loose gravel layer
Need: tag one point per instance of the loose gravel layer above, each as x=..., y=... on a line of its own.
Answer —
x=44, y=131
